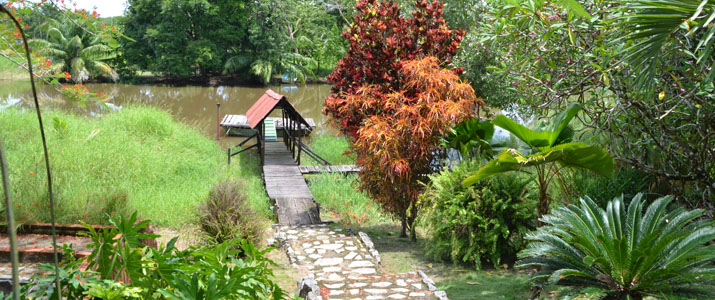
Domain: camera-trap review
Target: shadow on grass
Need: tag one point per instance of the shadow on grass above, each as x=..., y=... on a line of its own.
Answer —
x=401, y=255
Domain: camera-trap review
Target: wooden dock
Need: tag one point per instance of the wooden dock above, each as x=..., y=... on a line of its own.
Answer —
x=281, y=157
x=285, y=184
x=238, y=124
x=328, y=169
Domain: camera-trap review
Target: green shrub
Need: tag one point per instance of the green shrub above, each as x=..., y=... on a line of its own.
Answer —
x=226, y=214
x=484, y=222
x=623, y=253
x=627, y=181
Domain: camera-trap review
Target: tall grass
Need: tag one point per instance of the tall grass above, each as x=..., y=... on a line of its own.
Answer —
x=334, y=149
x=340, y=199
x=138, y=158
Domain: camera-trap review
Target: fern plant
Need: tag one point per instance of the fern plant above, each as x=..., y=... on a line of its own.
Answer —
x=485, y=222
x=620, y=253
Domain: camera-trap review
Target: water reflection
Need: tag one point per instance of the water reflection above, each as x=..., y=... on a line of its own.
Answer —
x=193, y=105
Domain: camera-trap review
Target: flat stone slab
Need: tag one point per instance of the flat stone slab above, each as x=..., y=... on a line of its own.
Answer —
x=347, y=266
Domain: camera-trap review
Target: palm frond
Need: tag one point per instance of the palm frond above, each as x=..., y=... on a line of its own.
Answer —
x=263, y=69
x=74, y=45
x=79, y=70
x=97, y=52
x=103, y=69
x=56, y=36
x=624, y=251
x=237, y=63
x=654, y=23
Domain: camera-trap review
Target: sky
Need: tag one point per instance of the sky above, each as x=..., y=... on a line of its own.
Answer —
x=105, y=8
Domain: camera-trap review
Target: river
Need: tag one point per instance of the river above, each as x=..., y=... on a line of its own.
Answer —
x=194, y=105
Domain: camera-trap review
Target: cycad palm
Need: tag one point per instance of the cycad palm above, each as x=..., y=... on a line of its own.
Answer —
x=75, y=52
x=623, y=253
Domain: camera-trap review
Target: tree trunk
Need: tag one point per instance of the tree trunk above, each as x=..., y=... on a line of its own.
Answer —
x=542, y=207
x=403, y=233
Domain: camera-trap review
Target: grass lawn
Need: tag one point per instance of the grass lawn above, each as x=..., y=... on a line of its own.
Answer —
x=331, y=148
x=138, y=158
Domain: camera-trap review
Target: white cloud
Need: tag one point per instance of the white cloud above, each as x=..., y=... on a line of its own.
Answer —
x=105, y=8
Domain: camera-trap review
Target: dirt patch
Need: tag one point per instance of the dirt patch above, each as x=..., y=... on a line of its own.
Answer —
x=189, y=235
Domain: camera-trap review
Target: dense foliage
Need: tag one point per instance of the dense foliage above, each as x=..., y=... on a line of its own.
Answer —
x=486, y=222
x=625, y=253
x=121, y=267
x=76, y=51
x=380, y=41
x=641, y=69
x=227, y=214
x=261, y=38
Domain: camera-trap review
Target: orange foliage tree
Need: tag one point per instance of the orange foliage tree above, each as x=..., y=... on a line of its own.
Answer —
x=397, y=144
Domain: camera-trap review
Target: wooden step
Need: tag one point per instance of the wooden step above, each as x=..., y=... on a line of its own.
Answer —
x=270, y=130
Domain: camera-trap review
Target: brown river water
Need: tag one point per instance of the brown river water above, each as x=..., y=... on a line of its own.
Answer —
x=194, y=105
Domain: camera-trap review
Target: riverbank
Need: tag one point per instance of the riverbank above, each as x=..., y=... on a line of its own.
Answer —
x=136, y=159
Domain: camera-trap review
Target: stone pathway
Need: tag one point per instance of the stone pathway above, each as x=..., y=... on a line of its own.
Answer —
x=337, y=264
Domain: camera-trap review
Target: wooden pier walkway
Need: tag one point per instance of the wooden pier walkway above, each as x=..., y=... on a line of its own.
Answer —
x=285, y=184
x=282, y=175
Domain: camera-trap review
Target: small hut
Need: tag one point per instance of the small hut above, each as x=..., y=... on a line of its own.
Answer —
x=293, y=125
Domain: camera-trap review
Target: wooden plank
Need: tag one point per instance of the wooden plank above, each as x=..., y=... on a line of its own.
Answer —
x=297, y=211
x=241, y=121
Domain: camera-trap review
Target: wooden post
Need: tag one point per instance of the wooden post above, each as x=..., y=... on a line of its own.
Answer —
x=259, y=141
x=218, y=121
x=300, y=134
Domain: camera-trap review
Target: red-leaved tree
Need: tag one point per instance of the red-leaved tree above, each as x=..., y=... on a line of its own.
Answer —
x=396, y=148
x=380, y=41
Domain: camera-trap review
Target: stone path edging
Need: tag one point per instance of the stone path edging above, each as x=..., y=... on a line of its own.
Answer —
x=337, y=264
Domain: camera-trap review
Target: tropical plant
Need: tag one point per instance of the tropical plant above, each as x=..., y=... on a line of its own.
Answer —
x=75, y=51
x=397, y=147
x=652, y=25
x=470, y=135
x=624, y=253
x=380, y=40
x=549, y=148
x=293, y=64
x=121, y=267
x=485, y=222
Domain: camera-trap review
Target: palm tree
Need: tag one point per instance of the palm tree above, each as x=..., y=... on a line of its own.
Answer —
x=264, y=68
x=549, y=148
x=75, y=51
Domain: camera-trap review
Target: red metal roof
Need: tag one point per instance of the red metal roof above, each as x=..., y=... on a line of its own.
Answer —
x=265, y=105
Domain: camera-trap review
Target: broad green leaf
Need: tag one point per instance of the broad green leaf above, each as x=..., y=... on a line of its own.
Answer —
x=532, y=138
x=580, y=155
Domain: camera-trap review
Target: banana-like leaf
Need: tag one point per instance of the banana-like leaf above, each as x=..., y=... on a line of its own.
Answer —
x=574, y=154
x=469, y=134
x=539, y=139
x=57, y=36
